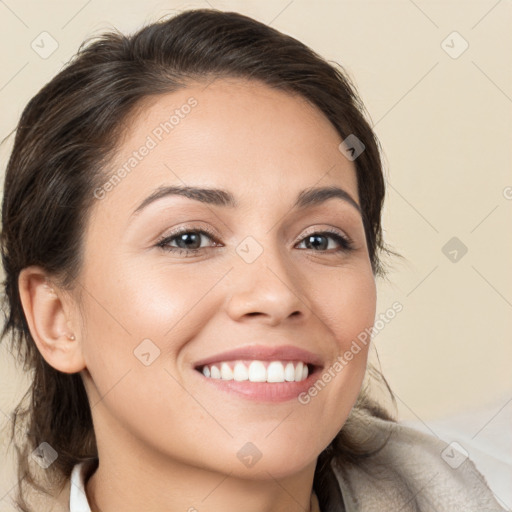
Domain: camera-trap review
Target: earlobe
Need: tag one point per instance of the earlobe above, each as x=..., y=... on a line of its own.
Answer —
x=47, y=310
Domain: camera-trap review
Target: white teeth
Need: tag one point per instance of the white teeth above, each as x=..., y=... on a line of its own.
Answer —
x=226, y=372
x=257, y=371
x=298, y=371
x=289, y=372
x=240, y=372
x=275, y=372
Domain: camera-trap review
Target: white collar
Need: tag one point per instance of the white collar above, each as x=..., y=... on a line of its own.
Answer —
x=77, y=497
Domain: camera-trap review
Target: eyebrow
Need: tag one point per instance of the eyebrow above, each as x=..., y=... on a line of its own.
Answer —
x=218, y=197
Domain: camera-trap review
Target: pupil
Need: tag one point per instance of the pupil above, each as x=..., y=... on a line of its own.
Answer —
x=189, y=237
x=315, y=243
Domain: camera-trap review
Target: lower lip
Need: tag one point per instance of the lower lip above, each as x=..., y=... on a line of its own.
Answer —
x=264, y=391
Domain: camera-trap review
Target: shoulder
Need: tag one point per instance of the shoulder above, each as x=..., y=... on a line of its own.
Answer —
x=412, y=471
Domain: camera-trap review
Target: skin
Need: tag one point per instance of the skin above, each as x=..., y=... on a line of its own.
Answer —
x=168, y=439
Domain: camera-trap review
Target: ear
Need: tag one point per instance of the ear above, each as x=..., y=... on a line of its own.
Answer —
x=47, y=310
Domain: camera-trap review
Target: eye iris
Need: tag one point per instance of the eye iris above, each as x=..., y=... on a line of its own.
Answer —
x=315, y=243
x=187, y=238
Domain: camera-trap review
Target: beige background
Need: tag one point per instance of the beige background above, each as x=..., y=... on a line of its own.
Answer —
x=444, y=124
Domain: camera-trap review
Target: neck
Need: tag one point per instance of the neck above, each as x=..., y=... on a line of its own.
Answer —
x=134, y=489
x=131, y=481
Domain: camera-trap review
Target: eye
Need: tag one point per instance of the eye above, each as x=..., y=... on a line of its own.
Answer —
x=318, y=241
x=188, y=240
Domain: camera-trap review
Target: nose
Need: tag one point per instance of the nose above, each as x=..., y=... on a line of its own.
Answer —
x=267, y=289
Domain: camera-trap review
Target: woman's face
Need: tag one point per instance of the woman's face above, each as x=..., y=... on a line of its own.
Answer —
x=259, y=276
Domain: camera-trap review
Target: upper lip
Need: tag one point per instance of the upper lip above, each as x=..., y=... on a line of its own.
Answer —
x=264, y=353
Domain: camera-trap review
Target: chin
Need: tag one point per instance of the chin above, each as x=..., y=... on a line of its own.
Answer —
x=273, y=461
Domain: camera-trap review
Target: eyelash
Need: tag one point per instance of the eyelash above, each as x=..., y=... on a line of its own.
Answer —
x=346, y=243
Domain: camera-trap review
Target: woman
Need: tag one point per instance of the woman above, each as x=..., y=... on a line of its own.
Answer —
x=191, y=236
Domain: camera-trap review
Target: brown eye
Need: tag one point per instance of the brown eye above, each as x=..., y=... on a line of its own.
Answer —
x=186, y=240
x=319, y=242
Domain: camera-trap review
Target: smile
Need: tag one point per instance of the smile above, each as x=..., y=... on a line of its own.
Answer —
x=264, y=373
x=257, y=371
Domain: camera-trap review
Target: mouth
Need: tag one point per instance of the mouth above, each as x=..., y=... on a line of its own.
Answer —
x=258, y=371
x=271, y=374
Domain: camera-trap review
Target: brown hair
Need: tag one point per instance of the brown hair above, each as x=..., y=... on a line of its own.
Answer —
x=64, y=139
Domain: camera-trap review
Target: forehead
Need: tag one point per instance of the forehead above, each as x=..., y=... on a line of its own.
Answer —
x=240, y=135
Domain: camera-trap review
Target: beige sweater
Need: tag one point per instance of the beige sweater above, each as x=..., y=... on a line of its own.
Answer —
x=414, y=472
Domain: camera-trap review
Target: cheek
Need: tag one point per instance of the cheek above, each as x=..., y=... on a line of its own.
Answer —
x=140, y=300
x=348, y=312
x=347, y=303
x=135, y=315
